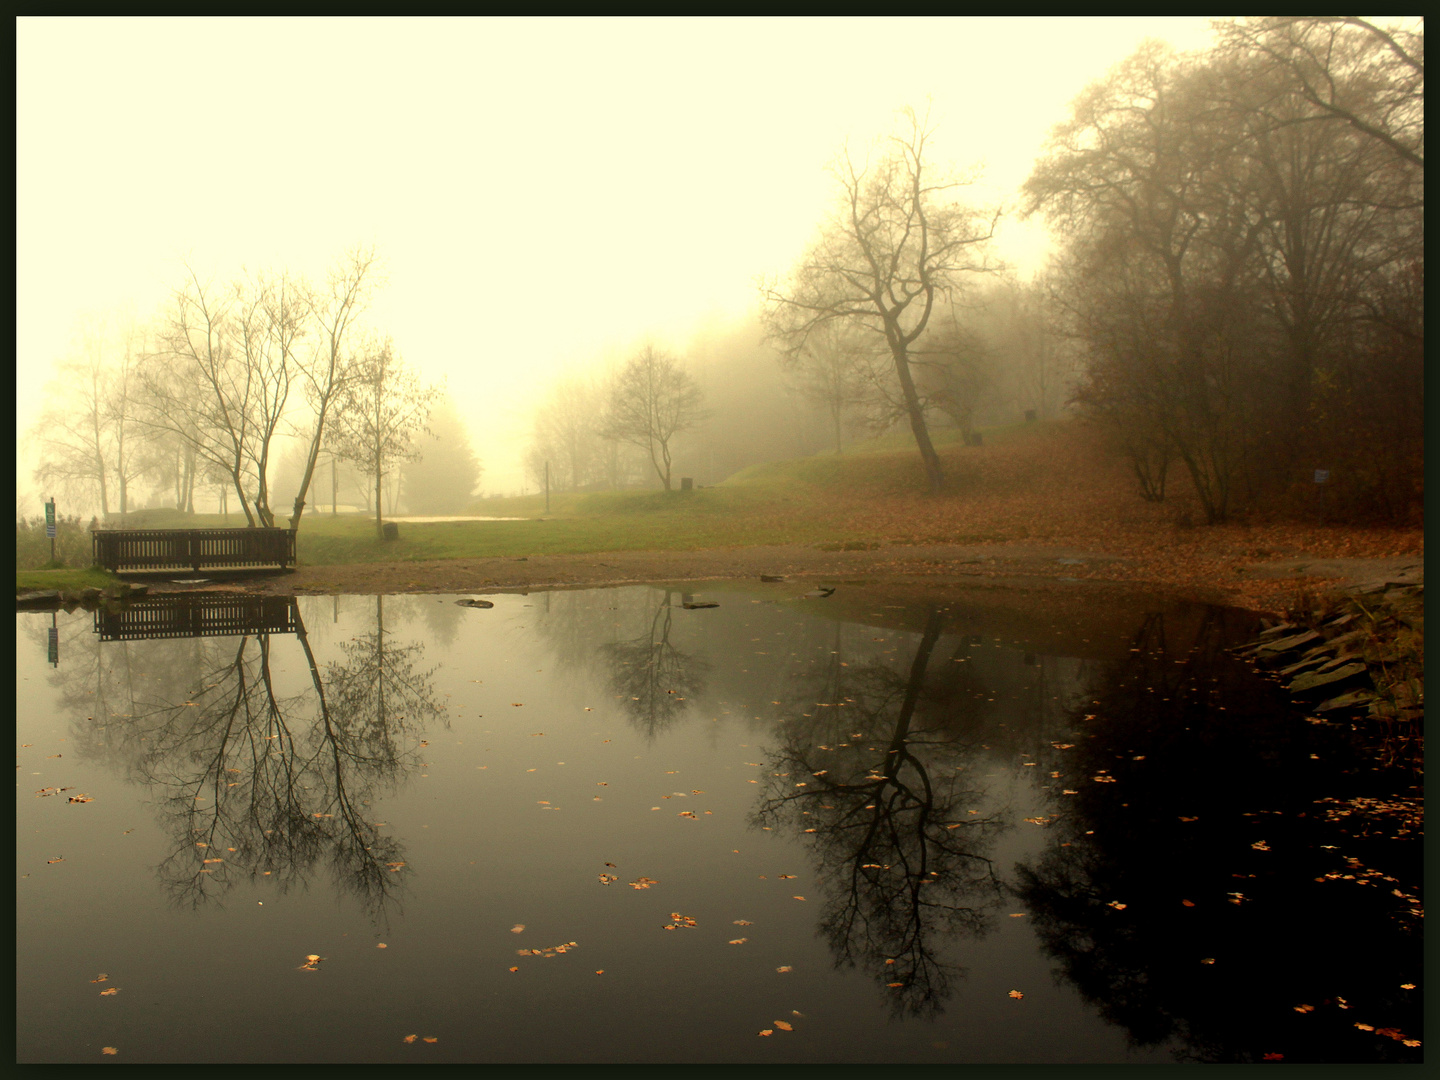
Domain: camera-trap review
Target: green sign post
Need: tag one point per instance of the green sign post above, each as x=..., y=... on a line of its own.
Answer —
x=50, y=526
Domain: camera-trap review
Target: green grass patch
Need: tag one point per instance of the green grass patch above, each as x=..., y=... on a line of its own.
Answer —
x=65, y=580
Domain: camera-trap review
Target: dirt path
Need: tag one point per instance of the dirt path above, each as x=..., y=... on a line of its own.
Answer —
x=1260, y=585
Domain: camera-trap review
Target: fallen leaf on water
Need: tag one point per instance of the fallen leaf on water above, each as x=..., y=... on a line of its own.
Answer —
x=518, y=928
x=606, y=879
x=1188, y=903
x=1208, y=960
x=1017, y=915
x=739, y=941
x=412, y=1038
x=747, y=922
x=1274, y=1057
x=109, y=1050
x=1016, y=994
x=54, y=860
x=1188, y=819
x=784, y=968
x=102, y=977
x=895, y=984
x=685, y=813
x=642, y=883
x=1304, y=1008
x=1117, y=905
x=542, y=802
x=783, y=1026
x=767, y=1032
x=601, y=971
x=1260, y=845
x=514, y=969
x=111, y=992
x=214, y=860
x=1365, y=1027
x=1407, y=986
x=430, y=1039
x=381, y=945
x=785, y=877
x=797, y=898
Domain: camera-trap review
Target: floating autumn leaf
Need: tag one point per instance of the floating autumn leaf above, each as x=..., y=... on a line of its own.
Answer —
x=784, y=968
x=797, y=898
x=894, y=984
x=394, y=866
x=1304, y=1008
x=739, y=941
x=783, y=1026
x=1365, y=1027
x=1274, y=1057
x=1188, y=903
x=213, y=860
x=601, y=971
x=1260, y=845
x=431, y=1039
x=381, y=945
x=1017, y=915
x=1208, y=960
x=1103, y=779
x=514, y=969
x=1016, y=994
x=102, y=977
x=54, y=860
x=1407, y=986
x=1117, y=905
x=785, y=877
x=685, y=813
x=747, y=922
x=890, y=961
x=518, y=928
x=111, y=992
x=412, y=1038
x=606, y=879
x=642, y=883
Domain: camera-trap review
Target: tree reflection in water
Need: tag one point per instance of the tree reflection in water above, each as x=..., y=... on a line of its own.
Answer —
x=1184, y=890
x=256, y=783
x=871, y=775
x=652, y=679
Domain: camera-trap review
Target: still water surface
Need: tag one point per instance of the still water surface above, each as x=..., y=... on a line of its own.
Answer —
x=595, y=826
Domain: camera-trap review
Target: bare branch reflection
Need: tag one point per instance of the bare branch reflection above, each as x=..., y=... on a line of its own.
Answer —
x=652, y=679
x=898, y=843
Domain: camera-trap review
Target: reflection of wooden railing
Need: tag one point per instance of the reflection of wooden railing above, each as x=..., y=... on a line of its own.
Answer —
x=198, y=616
x=192, y=549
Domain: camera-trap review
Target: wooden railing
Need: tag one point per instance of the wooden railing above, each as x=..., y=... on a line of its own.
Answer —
x=195, y=615
x=192, y=549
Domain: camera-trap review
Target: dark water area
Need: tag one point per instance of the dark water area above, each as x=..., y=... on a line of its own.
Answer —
x=594, y=826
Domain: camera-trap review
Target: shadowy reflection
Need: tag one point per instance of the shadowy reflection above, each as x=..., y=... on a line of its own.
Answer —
x=870, y=770
x=1193, y=888
x=190, y=615
x=257, y=773
x=652, y=679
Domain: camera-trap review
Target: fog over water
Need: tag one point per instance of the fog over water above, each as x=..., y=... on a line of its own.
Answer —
x=545, y=194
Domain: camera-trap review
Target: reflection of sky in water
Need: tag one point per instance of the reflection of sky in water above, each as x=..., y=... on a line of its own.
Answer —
x=511, y=754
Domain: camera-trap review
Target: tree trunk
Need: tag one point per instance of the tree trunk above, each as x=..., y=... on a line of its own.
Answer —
x=379, y=524
x=934, y=475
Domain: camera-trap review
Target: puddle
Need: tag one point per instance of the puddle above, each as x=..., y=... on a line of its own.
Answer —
x=597, y=826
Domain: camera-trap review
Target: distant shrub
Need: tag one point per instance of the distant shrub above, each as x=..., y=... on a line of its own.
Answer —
x=72, y=543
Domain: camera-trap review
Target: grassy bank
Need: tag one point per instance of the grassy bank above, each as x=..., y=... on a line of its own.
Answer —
x=66, y=580
x=1048, y=483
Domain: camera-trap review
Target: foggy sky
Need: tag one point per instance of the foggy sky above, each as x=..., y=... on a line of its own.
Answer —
x=544, y=192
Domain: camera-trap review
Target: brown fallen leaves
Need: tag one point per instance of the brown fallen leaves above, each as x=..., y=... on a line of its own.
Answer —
x=109, y=1050
x=312, y=963
x=642, y=883
x=550, y=952
x=679, y=922
x=606, y=879
x=1016, y=994
x=111, y=992
x=427, y=1038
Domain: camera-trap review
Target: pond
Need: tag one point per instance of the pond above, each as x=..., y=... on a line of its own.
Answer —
x=600, y=826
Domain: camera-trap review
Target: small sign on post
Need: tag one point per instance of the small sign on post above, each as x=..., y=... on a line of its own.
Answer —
x=1322, y=476
x=50, y=526
x=52, y=652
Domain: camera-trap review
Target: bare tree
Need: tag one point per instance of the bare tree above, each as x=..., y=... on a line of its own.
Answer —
x=1354, y=70
x=566, y=433
x=830, y=369
x=897, y=239
x=652, y=400
x=379, y=409
x=333, y=310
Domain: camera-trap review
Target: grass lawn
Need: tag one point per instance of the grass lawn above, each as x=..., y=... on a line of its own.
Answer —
x=65, y=580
